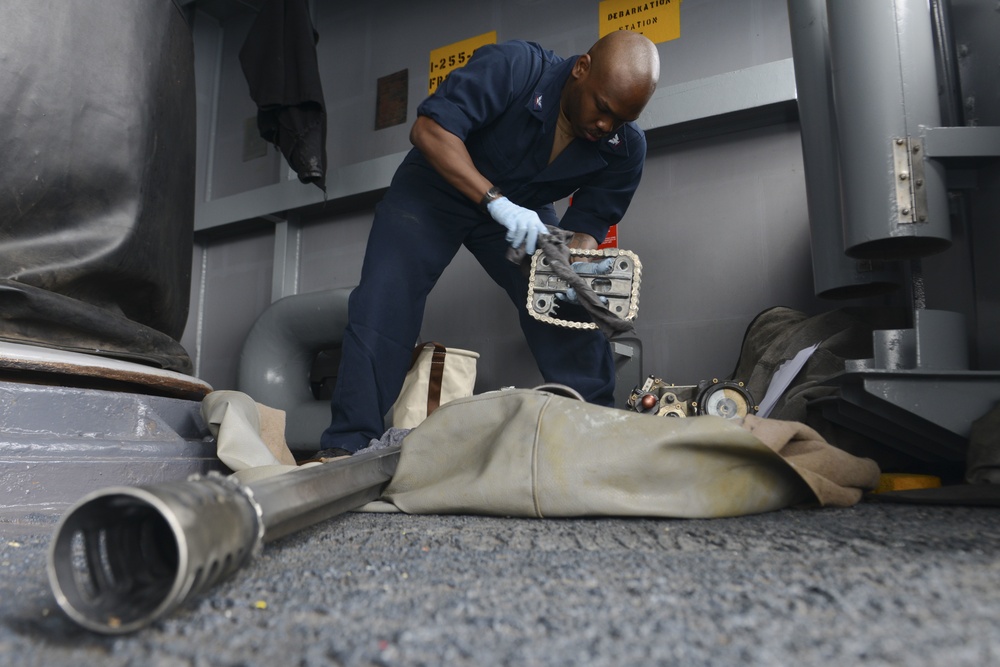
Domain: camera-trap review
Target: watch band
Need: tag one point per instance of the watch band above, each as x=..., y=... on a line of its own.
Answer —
x=491, y=194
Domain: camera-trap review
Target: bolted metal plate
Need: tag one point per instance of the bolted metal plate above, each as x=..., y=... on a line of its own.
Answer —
x=620, y=287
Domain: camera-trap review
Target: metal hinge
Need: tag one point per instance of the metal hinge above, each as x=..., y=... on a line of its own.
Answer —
x=911, y=192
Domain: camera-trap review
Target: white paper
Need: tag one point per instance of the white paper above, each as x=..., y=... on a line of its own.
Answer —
x=783, y=377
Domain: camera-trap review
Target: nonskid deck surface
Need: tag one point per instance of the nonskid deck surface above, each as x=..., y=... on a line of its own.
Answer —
x=874, y=584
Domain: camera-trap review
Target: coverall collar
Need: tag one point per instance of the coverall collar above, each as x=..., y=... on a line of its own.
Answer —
x=544, y=105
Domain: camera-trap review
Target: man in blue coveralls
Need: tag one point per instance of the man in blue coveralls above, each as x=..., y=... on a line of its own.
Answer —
x=514, y=130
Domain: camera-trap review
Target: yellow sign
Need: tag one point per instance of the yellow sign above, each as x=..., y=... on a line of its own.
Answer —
x=453, y=56
x=659, y=20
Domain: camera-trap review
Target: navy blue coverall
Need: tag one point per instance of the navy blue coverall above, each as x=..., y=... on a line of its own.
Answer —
x=504, y=104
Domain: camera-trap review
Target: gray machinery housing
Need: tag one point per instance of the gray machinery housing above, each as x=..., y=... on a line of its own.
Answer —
x=879, y=141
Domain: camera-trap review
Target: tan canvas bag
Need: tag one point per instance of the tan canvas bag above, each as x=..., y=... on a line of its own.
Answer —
x=437, y=376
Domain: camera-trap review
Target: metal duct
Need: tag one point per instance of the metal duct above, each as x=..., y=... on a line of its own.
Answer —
x=835, y=276
x=885, y=93
x=279, y=351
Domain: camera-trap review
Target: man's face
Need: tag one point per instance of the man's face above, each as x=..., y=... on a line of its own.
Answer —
x=595, y=106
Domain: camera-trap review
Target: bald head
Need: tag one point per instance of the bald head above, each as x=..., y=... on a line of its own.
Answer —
x=610, y=84
x=627, y=62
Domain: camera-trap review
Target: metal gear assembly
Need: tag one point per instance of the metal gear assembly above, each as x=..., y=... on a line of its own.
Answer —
x=729, y=399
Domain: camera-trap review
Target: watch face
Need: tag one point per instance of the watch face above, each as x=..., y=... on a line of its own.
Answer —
x=491, y=195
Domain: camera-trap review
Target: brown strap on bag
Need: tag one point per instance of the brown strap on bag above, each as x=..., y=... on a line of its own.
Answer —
x=437, y=373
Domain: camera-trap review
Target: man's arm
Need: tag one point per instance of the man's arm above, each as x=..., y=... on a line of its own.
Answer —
x=449, y=157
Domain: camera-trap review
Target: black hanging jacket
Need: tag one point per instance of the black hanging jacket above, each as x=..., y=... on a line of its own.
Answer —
x=280, y=65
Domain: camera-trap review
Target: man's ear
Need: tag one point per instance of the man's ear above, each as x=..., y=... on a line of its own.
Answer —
x=582, y=66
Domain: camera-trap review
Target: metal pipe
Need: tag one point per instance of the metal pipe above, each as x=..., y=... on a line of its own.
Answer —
x=885, y=88
x=278, y=352
x=944, y=48
x=835, y=276
x=123, y=557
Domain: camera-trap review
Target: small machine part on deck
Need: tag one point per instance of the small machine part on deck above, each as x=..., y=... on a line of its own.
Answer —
x=722, y=398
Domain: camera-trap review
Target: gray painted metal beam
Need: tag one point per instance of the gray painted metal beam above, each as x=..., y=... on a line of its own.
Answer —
x=742, y=90
x=287, y=253
x=962, y=142
x=342, y=182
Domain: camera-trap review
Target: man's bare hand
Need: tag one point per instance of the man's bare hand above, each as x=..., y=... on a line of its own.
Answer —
x=581, y=241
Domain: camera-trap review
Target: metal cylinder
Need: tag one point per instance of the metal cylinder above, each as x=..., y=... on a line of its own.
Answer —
x=885, y=92
x=835, y=276
x=278, y=352
x=123, y=557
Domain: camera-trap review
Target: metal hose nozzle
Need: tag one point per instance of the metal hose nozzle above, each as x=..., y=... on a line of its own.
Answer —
x=122, y=557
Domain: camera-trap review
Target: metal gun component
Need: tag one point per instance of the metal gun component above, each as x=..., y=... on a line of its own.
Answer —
x=728, y=399
x=671, y=406
x=620, y=287
x=123, y=557
x=724, y=399
x=659, y=398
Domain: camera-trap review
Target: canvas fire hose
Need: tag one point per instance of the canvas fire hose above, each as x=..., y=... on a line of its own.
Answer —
x=123, y=557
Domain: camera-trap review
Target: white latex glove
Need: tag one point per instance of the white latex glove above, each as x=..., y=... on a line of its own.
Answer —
x=523, y=224
x=601, y=268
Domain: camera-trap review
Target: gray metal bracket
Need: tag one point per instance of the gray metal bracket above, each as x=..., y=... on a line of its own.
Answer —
x=925, y=414
x=915, y=395
x=962, y=146
x=962, y=151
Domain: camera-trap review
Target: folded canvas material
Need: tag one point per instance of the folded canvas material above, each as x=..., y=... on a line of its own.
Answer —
x=248, y=434
x=534, y=454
